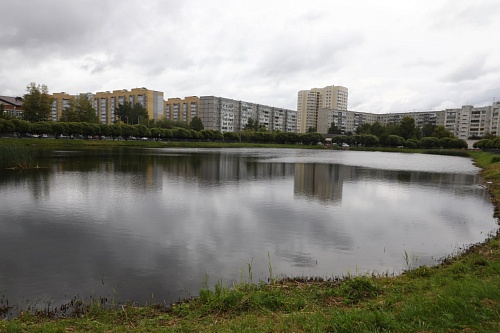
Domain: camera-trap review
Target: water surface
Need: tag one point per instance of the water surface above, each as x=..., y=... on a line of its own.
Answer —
x=150, y=224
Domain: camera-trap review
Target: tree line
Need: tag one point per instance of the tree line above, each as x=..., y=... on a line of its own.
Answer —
x=79, y=118
x=488, y=141
x=171, y=130
x=154, y=130
x=405, y=134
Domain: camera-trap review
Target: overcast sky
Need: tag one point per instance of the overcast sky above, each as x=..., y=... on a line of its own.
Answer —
x=393, y=56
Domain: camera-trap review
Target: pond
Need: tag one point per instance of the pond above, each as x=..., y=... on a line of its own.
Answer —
x=153, y=225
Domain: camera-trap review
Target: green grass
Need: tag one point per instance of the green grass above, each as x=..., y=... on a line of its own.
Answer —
x=462, y=294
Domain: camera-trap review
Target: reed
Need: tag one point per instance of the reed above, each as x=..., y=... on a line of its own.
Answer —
x=17, y=157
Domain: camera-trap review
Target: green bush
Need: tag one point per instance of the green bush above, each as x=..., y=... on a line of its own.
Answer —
x=411, y=143
x=231, y=136
x=429, y=142
x=394, y=141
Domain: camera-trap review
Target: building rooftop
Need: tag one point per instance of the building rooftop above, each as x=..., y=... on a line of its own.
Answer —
x=14, y=101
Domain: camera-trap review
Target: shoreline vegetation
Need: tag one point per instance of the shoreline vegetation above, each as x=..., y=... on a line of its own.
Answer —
x=461, y=294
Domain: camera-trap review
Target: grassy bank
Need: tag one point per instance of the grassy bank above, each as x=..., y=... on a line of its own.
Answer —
x=460, y=295
x=77, y=143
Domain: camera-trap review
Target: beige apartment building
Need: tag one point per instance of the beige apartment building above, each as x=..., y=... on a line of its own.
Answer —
x=106, y=103
x=60, y=102
x=178, y=109
x=309, y=102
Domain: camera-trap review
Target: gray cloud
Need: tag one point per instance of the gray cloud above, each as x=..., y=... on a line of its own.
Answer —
x=471, y=69
x=467, y=13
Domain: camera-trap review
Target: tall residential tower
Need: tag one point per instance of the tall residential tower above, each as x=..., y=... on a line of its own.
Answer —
x=310, y=101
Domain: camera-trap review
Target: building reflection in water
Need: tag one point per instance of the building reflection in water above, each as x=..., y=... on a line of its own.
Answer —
x=321, y=181
x=147, y=168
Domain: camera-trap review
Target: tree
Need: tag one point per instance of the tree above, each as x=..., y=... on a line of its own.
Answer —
x=168, y=123
x=6, y=126
x=252, y=125
x=429, y=142
x=37, y=103
x=364, y=129
x=311, y=129
x=441, y=132
x=116, y=130
x=334, y=129
x=427, y=129
x=394, y=141
x=142, y=130
x=488, y=136
x=41, y=128
x=75, y=129
x=195, y=134
x=407, y=128
x=377, y=129
x=411, y=143
x=157, y=133
x=231, y=136
x=181, y=133
x=80, y=110
x=58, y=128
x=105, y=130
x=196, y=124
x=127, y=131
x=131, y=114
x=22, y=126
x=369, y=140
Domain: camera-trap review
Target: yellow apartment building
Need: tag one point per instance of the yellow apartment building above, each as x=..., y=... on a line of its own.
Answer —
x=177, y=109
x=105, y=103
x=60, y=102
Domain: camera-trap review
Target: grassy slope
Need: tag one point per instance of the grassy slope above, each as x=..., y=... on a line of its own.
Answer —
x=460, y=295
x=51, y=143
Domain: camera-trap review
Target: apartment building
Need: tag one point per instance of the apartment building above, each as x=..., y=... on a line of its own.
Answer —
x=346, y=121
x=309, y=102
x=229, y=115
x=62, y=101
x=474, y=122
x=465, y=122
x=106, y=103
x=178, y=109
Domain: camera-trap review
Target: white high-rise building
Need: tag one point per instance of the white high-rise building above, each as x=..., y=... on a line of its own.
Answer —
x=310, y=101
